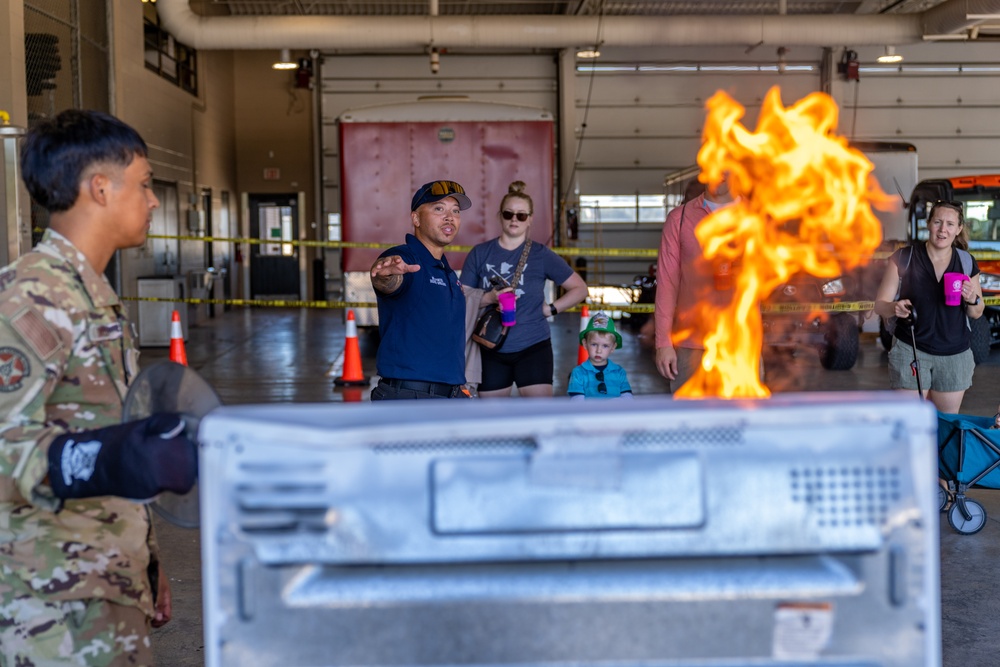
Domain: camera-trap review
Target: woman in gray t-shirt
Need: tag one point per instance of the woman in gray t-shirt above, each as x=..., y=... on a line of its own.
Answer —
x=526, y=356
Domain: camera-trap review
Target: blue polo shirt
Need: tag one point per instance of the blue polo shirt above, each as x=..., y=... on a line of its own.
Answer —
x=422, y=323
x=583, y=381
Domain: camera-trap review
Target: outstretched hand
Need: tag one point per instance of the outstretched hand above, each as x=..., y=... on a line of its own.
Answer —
x=392, y=266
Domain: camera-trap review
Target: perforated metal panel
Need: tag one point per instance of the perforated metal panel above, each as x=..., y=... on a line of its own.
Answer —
x=847, y=496
x=799, y=530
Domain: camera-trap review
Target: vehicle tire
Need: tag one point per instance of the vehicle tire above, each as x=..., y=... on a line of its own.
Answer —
x=884, y=336
x=980, y=339
x=842, y=342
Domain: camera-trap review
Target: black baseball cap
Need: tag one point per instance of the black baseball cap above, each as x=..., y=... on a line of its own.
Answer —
x=438, y=190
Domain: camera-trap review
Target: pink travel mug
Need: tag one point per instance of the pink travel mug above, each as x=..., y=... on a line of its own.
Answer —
x=508, y=308
x=953, y=288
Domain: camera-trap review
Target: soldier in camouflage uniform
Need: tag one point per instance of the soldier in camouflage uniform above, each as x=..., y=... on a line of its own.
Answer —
x=79, y=577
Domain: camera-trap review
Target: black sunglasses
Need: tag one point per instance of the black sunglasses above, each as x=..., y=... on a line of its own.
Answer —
x=601, y=387
x=509, y=215
x=957, y=205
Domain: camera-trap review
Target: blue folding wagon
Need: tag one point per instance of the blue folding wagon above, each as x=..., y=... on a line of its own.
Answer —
x=968, y=455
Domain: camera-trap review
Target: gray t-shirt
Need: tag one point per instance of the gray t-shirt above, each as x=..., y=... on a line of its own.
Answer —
x=489, y=259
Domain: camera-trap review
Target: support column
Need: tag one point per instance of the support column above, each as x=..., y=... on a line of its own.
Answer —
x=566, y=183
x=15, y=233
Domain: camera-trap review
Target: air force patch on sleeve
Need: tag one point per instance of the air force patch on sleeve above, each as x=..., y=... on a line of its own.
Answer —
x=14, y=367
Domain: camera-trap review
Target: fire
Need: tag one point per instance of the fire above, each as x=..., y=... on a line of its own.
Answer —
x=803, y=204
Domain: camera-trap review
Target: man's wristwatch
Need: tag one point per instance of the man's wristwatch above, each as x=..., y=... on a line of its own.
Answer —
x=976, y=302
x=552, y=309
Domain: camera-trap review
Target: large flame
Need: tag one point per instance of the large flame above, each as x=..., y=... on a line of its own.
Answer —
x=803, y=204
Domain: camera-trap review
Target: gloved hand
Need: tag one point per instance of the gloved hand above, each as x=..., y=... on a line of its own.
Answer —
x=138, y=459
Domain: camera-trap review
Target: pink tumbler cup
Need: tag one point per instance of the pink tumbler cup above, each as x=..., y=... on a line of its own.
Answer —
x=508, y=308
x=953, y=288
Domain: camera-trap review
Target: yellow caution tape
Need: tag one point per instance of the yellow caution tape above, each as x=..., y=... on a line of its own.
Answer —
x=985, y=254
x=288, y=303
x=308, y=244
x=573, y=252
x=268, y=303
x=566, y=251
x=841, y=307
x=648, y=308
x=645, y=253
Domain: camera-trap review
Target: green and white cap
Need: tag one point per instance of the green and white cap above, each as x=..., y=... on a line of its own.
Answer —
x=602, y=323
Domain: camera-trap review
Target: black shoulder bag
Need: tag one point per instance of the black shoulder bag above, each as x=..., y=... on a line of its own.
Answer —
x=490, y=331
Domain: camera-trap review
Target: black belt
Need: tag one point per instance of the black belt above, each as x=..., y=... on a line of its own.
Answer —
x=436, y=388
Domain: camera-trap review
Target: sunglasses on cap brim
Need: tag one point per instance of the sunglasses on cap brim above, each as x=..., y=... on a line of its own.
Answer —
x=443, y=188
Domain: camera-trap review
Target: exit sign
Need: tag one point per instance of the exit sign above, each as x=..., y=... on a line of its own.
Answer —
x=272, y=174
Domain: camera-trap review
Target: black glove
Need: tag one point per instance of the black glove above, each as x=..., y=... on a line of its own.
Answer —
x=137, y=460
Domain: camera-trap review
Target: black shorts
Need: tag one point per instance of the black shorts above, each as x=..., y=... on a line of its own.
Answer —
x=532, y=365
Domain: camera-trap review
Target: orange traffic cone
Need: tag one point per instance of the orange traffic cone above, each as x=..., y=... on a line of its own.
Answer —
x=353, y=394
x=177, y=352
x=352, y=357
x=582, y=355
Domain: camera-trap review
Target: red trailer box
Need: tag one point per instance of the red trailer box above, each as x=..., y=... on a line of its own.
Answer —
x=388, y=151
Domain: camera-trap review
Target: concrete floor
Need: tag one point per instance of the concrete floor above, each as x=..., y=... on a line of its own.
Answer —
x=278, y=355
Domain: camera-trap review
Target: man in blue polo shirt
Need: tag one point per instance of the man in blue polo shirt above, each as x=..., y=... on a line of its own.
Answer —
x=421, y=307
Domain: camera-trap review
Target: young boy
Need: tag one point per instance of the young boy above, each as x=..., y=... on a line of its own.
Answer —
x=80, y=581
x=599, y=377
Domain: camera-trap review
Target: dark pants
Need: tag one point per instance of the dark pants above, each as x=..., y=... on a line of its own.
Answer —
x=390, y=389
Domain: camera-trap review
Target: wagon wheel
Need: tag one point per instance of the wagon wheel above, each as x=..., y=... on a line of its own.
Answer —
x=967, y=516
x=942, y=498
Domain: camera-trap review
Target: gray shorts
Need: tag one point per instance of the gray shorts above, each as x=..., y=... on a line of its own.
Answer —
x=951, y=372
x=688, y=361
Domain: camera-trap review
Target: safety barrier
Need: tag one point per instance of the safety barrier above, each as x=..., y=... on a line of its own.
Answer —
x=559, y=250
x=648, y=253
x=845, y=306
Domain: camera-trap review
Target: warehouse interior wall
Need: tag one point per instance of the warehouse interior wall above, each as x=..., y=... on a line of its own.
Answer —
x=272, y=124
x=643, y=111
x=192, y=148
x=353, y=81
x=943, y=98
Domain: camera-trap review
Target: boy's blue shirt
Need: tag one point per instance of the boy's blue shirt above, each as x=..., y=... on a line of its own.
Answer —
x=583, y=381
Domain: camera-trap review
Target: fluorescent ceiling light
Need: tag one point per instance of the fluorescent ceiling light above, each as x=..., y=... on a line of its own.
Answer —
x=890, y=56
x=285, y=61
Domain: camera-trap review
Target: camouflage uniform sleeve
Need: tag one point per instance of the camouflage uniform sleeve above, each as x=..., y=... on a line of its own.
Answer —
x=33, y=354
